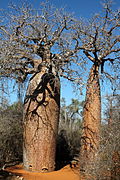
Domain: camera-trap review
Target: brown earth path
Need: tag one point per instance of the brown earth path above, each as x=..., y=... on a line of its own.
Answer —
x=66, y=173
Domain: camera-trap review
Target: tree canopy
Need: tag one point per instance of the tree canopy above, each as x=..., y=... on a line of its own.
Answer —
x=99, y=39
x=30, y=37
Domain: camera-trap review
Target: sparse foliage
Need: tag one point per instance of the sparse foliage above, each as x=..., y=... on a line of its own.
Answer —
x=30, y=37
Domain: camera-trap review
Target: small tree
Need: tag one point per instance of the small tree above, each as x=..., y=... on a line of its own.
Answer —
x=38, y=44
x=71, y=115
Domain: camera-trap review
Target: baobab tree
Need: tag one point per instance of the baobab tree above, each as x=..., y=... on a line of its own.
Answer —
x=38, y=44
x=99, y=40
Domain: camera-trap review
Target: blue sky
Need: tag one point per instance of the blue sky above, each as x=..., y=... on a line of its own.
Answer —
x=80, y=8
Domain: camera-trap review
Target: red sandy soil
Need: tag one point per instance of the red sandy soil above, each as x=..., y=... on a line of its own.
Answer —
x=66, y=173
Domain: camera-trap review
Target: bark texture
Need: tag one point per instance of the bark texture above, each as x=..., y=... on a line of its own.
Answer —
x=41, y=115
x=91, y=119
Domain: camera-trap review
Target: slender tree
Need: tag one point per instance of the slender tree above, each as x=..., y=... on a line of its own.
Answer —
x=38, y=44
x=99, y=41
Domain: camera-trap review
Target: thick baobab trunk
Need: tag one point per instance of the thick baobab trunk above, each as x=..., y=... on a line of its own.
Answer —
x=91, y=119
x=41, y=115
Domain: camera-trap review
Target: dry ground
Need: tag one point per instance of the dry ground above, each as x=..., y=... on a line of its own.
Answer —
x=66, y=173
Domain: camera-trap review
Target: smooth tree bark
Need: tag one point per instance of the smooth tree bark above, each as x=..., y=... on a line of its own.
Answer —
x=41, y=115
x=91, y=119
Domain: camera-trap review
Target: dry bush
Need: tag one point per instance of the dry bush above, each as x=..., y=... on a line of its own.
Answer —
x=11, y=134
x=107, y=166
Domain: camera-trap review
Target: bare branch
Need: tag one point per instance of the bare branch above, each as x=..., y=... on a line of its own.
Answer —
x=112, y=28
x=89, y=56
x=37, y=34
x=4, y=30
